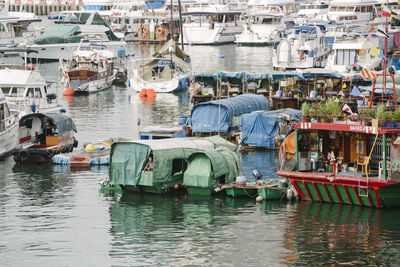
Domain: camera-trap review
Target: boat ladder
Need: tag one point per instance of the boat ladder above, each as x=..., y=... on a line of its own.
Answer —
x=363, y=191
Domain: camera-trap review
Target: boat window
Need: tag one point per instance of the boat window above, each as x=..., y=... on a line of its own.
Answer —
x=350, y=8
x=6, y=90
x=267, y=21
x=178, y=166
x=364, y=9
x=2, y=28
x=17, y=91
x=38, y=93
x=30, y=92
x=2, y=113
x=341, y=8
x=345, y=57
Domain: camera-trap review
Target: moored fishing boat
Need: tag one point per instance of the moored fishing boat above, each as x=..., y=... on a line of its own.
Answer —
x=322, y=159
x=208, y=170
x=168, y=71
x=90, y=70
x=155, y=166
x=43, y=135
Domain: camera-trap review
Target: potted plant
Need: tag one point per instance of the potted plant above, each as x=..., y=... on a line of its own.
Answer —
x=380, y=114
x=396, y=118
x=388, y=116
x=305, y=110
x=333, y=108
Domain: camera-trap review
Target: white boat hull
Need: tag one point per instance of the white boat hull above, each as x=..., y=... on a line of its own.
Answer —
x=203, y=35
x=177, y=83
x=65, y=51
x=95, y=86
x=9, y=137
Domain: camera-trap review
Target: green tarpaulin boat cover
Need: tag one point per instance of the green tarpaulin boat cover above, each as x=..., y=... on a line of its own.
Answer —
x=206, y=166
x=128, y=159
x=59, y=33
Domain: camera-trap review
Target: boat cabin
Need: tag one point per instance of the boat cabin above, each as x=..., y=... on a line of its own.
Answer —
x=42, y=135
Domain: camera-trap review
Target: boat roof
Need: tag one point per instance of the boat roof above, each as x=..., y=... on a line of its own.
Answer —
x=172, y=143
x=20, y=77
x=355, y=127
x=62, y=122
x=161, y=129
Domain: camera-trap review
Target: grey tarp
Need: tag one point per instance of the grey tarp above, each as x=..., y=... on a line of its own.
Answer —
x=62, y=122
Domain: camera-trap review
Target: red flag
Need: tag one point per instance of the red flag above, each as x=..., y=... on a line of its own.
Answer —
x=386, y=12
x=372, y=29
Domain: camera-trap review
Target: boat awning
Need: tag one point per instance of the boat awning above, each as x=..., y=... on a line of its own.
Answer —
x=206, y=75
x=237, y=75
x=279, y=75
x=58, y=33
x=256, y=76
x=210, y=116
x=62, y=122
x=313, y=75
x=305, y=29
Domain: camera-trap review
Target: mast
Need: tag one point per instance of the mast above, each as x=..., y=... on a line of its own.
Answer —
x=181, y=23
x=171, y=28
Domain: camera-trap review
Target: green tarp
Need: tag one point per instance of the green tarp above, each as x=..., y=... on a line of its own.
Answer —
x=206, y=166
x=59, y=33
x=129, y=158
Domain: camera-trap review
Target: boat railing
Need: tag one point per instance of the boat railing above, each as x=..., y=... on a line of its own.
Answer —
x=351, y=119
x=9, y=120
x=29, y=101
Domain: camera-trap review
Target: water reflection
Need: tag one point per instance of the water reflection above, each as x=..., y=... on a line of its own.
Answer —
x=333, y=234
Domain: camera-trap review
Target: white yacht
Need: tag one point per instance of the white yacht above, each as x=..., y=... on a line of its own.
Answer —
x=312, y=12
x=62, y=39
x=211, y=24
x=24, y=87
x=352, y=48
x=90, y=70
x=303, y=48
x=8, y=127
x=167, y=71
x=352, y=11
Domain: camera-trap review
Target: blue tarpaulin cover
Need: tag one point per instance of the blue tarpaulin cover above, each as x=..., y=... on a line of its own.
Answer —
x=154, y=4
x=204, y=116
x=237, y=75
x=295, y=115
x=259, y=129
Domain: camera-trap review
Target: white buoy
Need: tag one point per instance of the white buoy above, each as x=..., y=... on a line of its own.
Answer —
x=289, y=194
x=259, y=199
x=295, y=194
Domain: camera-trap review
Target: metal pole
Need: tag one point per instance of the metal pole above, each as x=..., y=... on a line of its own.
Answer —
x=181, y=22
x=384, y=155
x=296, y=155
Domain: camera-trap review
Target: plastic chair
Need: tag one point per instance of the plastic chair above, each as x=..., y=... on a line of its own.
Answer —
x=388, y=168
x=362, y=163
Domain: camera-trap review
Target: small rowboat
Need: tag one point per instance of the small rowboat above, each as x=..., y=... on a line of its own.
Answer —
x=79, y=161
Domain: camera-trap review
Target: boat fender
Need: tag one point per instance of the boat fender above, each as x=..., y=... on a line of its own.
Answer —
x=30, y=66
x=257, y=174
x=295, y=194
x=143, y=92
x=217, y=189
x=289, y=194
x=114, y=28
x=69, y=91
x=151, y=93
x=176, y=186
x=259, y=199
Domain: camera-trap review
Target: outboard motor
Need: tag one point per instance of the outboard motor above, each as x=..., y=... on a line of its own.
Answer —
x=257, y=174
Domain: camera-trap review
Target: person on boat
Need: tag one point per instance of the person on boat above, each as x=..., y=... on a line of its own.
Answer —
x=149, y=164
x=36, y=128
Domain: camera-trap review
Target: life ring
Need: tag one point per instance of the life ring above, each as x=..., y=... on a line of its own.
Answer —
x=145, y=30
x=280, y=105
x=66, y=75
x=114, y=28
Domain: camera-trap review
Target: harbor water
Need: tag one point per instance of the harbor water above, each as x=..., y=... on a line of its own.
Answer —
x=54, y=216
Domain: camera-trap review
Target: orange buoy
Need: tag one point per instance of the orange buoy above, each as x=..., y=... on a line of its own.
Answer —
x=258, y=184
x=176, y=187
x=151, y=93
x=69, y=91
x=143, y=92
